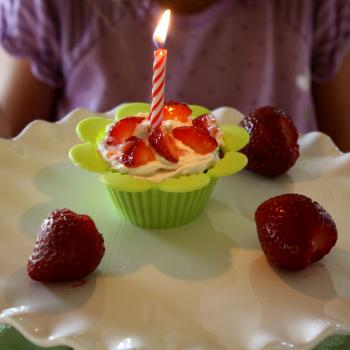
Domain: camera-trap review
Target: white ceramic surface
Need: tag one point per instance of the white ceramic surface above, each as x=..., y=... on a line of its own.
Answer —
x=205, y=285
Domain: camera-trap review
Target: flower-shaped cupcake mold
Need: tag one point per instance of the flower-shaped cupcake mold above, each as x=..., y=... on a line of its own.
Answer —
x=173, y=201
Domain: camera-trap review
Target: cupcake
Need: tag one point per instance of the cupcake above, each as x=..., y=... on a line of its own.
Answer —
x=159, y=177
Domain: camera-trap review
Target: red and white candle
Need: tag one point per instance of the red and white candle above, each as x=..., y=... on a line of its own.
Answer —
x=159, y=70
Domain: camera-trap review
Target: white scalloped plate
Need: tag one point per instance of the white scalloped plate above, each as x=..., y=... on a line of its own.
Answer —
x=205, y=285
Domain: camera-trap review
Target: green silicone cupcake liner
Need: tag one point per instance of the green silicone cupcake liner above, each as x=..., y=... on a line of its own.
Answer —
x=161, y=209
x=171, y=202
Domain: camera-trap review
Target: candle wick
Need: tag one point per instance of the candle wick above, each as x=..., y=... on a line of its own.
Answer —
x=157, y=44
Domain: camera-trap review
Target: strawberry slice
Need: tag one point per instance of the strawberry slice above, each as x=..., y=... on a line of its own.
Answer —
x=122, y=130
x=196, y=138
x=206, y=122
x=176, y=111
x=164, y=144
x=135, y=153
x=294, y=231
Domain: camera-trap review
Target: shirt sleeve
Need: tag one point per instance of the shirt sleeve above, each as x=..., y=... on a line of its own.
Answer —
x=29, y=29
x=331, y=37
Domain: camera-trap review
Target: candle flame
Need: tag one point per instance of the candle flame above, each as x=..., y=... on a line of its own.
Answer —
x=160, y=33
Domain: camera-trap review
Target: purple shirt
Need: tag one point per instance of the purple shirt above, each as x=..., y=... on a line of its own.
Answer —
x=241, y=53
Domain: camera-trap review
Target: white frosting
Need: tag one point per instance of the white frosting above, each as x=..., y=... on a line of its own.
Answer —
x=160, y=168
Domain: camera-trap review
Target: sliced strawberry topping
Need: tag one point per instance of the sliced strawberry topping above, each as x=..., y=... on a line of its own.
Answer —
x=122, y=130
x=196, y=138
x=206, y=122
x=176, y=111
x=164, y=144
x=294, y=231
x=136, y=153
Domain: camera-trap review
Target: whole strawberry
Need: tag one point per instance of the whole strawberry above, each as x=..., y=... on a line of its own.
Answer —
x=294, y=231
x=273, y=147
x=68, y=247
